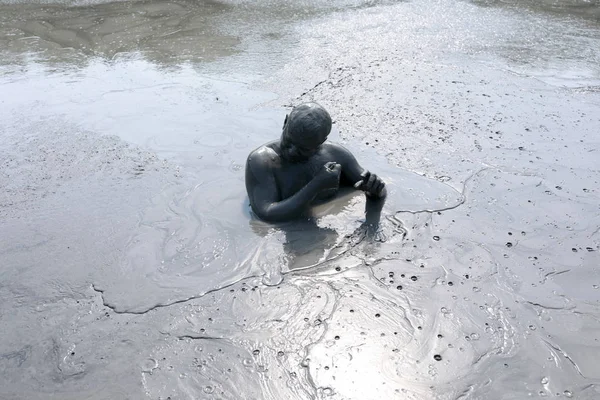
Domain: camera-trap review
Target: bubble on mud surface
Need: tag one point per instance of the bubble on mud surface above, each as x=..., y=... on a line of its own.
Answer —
x=272, y=278
x=437, y=357
x=247, y=362
x=149, y=365
x=208, y=389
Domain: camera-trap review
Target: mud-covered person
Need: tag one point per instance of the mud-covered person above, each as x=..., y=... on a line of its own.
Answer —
x=286, y=176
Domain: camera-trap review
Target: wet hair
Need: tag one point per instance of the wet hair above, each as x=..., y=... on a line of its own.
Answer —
x=308, y=119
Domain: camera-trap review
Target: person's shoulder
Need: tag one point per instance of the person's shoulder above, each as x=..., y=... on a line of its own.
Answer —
x=337, y=150
x=263, y=157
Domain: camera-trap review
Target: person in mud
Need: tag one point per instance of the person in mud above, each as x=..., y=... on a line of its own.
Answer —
x=286, y=176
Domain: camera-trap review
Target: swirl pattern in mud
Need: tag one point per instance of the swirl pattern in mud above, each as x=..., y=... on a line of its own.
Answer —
x=131, y=267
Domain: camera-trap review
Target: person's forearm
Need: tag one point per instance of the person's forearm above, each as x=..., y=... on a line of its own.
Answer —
x=373, y=208
x=293, y=206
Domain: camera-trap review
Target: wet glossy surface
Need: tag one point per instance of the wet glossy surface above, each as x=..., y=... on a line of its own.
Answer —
x=131, y=267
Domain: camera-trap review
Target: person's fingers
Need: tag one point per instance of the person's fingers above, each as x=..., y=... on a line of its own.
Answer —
x=338, y=169
x=363, y=180
x=379, y=186
x=371, y=182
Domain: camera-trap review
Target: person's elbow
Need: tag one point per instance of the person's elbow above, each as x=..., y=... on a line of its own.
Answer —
x=260, y=211
x=268, y=212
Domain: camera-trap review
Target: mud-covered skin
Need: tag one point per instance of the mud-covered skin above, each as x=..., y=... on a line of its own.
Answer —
x=284, y=177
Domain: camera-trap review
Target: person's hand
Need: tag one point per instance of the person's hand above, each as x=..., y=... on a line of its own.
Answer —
x=371, y=184
x=329, y=176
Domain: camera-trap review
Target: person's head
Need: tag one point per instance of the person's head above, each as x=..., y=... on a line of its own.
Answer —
x=305, y=129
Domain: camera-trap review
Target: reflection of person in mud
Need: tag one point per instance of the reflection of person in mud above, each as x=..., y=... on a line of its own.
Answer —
x=285, y=177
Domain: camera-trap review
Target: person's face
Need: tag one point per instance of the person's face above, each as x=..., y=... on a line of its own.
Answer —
x=301, y=148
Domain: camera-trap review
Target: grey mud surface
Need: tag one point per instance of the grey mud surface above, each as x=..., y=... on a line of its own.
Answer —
x=130, y=267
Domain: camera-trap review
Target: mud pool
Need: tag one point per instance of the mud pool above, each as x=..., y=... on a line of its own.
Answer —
x=131, y=268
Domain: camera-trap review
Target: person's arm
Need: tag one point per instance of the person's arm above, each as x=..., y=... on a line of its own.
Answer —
x=373, y=208
x=264, y=195
x=356, y=175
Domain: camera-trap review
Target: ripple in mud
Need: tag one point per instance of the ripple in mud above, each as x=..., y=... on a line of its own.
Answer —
x=193, y=240
x=381, y=325
x=511, y=291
